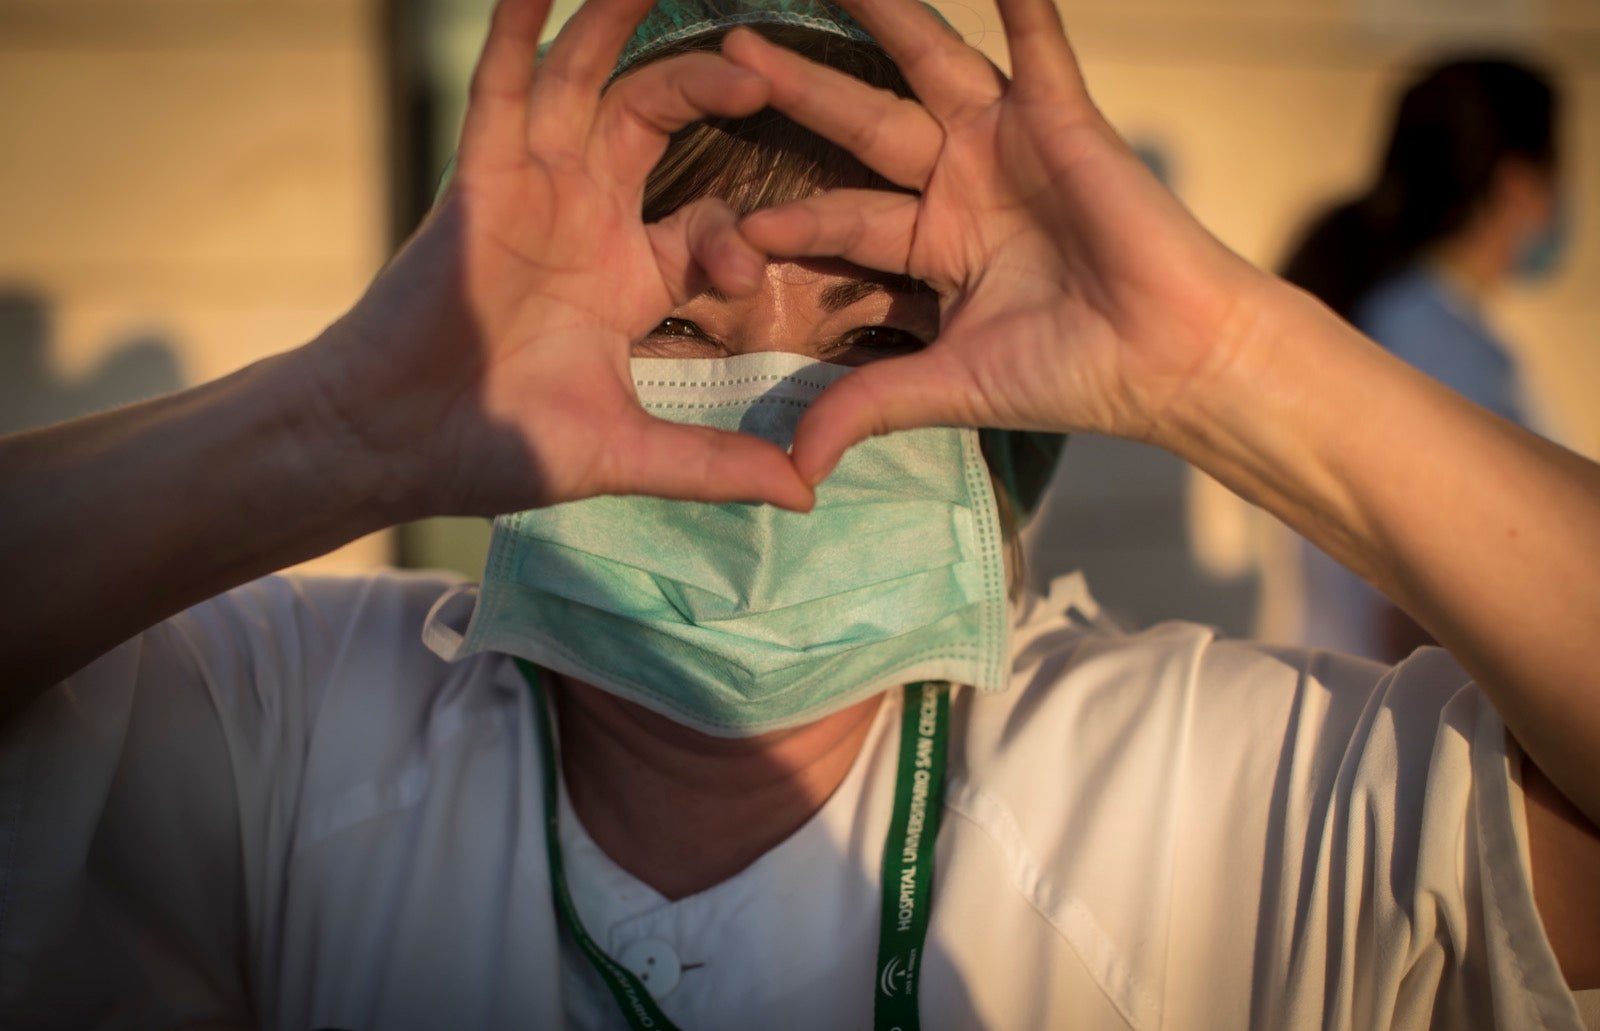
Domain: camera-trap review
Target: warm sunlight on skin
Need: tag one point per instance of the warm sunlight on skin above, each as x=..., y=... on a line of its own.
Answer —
x=828, y=310
x=680, y=789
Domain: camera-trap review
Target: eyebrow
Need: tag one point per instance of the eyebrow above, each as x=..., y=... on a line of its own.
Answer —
x=840, y=296
x=843, y=295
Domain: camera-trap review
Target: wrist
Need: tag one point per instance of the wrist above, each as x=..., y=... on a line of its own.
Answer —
x=1272, y=413
x=344, y=413
x=1277, y=352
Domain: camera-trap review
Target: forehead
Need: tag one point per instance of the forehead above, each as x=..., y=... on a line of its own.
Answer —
x=837, y=283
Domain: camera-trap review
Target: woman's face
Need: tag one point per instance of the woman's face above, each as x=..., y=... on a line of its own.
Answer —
x=828, y=310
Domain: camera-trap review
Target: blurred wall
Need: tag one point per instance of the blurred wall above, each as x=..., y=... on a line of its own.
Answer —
x=187, y=186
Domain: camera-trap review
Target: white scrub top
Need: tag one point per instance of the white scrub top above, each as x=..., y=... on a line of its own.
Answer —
x=280, y=808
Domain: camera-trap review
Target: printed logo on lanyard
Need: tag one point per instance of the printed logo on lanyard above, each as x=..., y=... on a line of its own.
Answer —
x=908, y=854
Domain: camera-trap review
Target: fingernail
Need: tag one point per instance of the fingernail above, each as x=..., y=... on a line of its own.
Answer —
x=746, y=270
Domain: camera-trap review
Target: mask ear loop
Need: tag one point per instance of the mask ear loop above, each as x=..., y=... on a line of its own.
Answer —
x=438, y=635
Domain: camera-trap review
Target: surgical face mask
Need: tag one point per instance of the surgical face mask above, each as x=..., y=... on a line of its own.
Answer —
x=737, y=619
x=1541, y=256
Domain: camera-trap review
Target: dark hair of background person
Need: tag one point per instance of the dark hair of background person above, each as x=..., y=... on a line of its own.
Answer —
x=1454, y=126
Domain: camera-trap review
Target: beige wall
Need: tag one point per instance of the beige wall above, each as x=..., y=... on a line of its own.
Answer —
x=203, y=176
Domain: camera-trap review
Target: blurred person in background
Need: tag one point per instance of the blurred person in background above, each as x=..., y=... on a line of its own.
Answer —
x=1468, y=198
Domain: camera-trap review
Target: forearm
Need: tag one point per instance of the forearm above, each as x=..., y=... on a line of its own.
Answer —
x=1486, y=534
x=116, y=521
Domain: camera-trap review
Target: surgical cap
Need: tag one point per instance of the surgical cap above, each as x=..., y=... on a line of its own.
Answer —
x=674, y=20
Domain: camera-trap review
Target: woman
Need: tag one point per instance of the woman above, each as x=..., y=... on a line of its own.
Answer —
x=278, y=806
x=1466, y=199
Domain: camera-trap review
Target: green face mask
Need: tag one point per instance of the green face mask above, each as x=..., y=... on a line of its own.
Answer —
x=740, y=619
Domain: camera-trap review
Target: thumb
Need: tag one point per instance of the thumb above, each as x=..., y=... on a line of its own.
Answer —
x=923, y=389
x=696, y=463
x=700, y=245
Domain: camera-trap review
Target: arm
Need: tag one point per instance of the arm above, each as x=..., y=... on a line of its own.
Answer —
x=1079, y=295
x=116, y=521
x=485, y=370
x=1477, y=528
x=1565, y=849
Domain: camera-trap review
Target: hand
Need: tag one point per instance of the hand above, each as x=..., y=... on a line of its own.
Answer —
x=1076, y=292
x=488, y=365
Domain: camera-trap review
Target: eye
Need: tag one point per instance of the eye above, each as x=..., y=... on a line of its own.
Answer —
x=676, y=338
x=881, y=341
x=673, y=327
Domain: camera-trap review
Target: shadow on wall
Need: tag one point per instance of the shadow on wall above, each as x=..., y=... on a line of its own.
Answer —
x=34, y=393
x=1116, y=512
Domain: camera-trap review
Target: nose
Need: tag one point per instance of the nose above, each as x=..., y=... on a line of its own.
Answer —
x=782, y=315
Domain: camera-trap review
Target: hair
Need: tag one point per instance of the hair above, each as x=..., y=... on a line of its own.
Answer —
x=767, y=159
x=1454, y=127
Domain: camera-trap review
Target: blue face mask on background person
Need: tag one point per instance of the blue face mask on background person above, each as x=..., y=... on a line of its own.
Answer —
x=737, y=619
x=1541, y=256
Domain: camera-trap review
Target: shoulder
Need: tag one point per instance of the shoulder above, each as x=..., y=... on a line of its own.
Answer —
x=319, y=604
x=1244, y=805
x=1125, y=781
x=259, y=668
x=1424, y=321
x=289, y=626
x=1406, y=304
x=1078, y=678
x=1426, y=324
x=1176, y=710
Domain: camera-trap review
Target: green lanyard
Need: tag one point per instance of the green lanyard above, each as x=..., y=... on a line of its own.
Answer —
x=907, y=866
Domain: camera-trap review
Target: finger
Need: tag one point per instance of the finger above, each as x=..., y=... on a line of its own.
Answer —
x=568, y=80
x=645, y=107
x=947, y=75
x=700, y=245
x=895, y=137
x=695, y=463
x=872, y=228
x=497, y=105
x=929, y=388
x=1042, y=61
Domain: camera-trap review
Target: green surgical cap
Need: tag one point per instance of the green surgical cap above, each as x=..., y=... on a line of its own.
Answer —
x=1022, y=462
x=674, y=20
